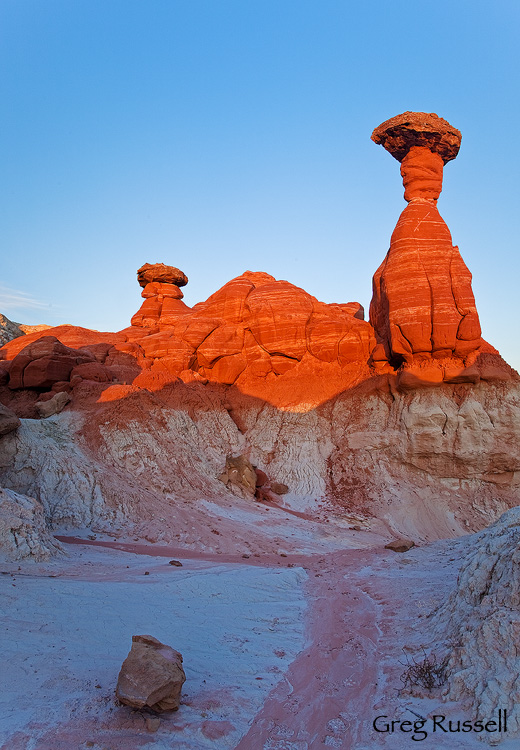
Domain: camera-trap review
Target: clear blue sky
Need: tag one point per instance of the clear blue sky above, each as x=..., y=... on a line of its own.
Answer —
x=225, y=135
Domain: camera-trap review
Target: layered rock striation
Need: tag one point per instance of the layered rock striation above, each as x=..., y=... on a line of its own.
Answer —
x=162, y=296
x=253, y=327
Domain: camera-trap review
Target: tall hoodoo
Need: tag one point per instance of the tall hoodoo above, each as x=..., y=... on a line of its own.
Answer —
x=422, y=306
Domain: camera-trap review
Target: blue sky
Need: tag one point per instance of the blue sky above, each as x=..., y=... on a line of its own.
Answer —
x=226, y=135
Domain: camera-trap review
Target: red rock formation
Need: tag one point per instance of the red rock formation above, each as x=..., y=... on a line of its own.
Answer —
x=72, y=336
x=155, y=289
x=91, y=371
x=251, y=331
x=269, y=337
x=43, y=363
x=160, y=310
x=423, y=307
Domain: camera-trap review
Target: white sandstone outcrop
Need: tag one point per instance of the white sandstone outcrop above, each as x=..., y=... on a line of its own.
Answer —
x=23, y=531
x=432, y=463
x=42, y=459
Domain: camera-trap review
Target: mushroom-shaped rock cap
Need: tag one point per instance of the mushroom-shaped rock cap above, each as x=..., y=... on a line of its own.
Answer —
x=400, y=133
x=161, y=273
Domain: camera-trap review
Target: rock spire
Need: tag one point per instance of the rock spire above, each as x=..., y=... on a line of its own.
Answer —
x=423, y=309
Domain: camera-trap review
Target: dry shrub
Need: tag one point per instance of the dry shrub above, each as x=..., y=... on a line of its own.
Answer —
x=428, y=673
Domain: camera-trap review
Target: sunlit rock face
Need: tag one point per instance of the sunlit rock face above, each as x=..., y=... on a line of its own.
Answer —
x=8, y=330
x=252, y=332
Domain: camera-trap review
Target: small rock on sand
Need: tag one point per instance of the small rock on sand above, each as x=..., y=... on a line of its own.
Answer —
x=151, y=675
x=400, y=545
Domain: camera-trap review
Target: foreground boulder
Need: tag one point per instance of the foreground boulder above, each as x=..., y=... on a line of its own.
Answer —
x=52, y=406
x=151, y=676
x=400, y=545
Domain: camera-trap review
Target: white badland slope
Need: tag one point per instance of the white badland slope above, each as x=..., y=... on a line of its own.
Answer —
x=429, y=464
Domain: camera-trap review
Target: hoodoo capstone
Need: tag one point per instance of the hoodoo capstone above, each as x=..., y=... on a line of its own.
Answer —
x=423, y=310
x=403, y=132
x=160, y=273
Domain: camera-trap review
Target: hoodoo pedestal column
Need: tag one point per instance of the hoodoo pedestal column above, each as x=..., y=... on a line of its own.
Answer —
x=423, y=310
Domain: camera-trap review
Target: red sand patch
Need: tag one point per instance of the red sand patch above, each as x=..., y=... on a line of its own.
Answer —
x=264, y=560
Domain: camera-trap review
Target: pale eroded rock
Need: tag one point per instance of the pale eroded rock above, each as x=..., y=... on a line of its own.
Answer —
x=54, y=405
x=23, y=531
x=481, y=623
